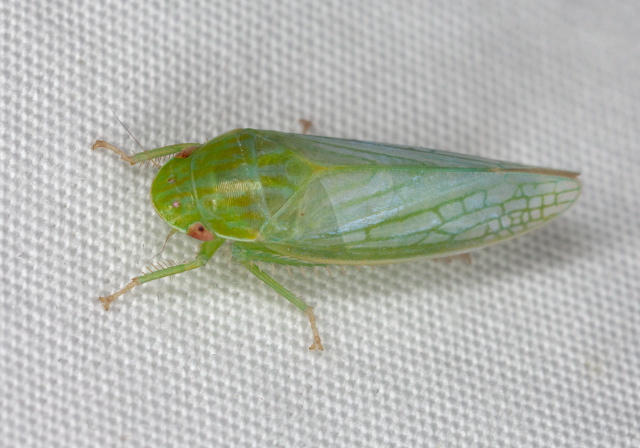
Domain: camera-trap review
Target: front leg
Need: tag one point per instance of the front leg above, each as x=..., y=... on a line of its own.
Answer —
x=148, y=155
x=207, y=249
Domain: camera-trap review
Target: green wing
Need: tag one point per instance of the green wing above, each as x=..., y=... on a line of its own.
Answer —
x=373, y=203
x=335, y=152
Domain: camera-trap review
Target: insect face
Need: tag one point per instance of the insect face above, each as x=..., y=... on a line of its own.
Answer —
x=172, y=197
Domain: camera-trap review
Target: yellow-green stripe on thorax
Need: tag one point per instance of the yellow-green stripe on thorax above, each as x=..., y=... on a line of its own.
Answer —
x=232, y=184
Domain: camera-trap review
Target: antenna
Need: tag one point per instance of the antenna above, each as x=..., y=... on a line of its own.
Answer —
x=123, y=125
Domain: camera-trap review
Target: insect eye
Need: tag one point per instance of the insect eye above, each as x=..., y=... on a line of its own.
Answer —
x=198, y=231
x=175, y=204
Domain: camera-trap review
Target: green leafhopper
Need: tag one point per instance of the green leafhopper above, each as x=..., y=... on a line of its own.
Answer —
x=304, y=200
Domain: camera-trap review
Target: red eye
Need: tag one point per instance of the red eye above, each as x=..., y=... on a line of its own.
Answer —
x=199, y=231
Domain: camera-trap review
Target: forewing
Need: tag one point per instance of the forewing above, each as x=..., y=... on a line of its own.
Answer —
x=377, y=213
x=334, y=152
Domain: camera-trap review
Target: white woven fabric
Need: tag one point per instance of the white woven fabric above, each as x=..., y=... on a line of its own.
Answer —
x=536, y=343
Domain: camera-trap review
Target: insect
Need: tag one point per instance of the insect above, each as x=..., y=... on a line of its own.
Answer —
x=304, y=200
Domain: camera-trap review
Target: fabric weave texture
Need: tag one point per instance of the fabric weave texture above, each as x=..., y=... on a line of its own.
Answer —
x=535, y=343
